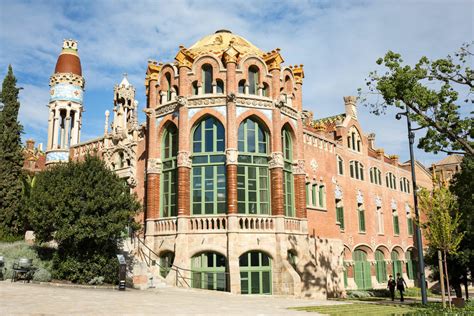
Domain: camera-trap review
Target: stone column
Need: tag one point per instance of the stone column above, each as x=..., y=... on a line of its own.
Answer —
x=67, y=125
x=56, y=129
x=50, y=129
x=153, y=163
x=232, y=136
x=300, y=188
x=184, y=161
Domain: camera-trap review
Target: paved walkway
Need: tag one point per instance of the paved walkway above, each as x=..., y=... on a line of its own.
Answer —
x=24, y=298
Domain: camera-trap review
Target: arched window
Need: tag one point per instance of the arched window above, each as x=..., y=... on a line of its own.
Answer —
x=409, y=223
x=288, y=182
x=380, y=266
x=220, y=86
x=340, y=165
x=255, y=273
x=375, y=176
x=168, y=86
x=362, y=276
x=411, y=264
x=169, y=152
x=253, y=192
x=354, y=141
x=396, y=223
x=356, y=170
x=391, y=181
x=404, y=185
x=242, y=86
x=166, y=262
x=361, y=216
x=208, y=164
x=195, y=88
x=206, y=78
x=209, y=271
x=253, y=79
x=339, y=214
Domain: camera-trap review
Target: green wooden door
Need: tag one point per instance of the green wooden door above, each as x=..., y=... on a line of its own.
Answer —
x=380, y=266
x=396, y=264
x=255, y=273
x=362, y=270
x=411, y=265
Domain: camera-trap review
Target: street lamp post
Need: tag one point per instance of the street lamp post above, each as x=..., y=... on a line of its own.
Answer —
x=419, y=242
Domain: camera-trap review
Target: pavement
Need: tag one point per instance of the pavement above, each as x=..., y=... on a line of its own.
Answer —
x=47, y=299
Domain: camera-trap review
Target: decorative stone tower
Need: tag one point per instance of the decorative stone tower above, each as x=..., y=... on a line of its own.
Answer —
x=120, y=144
x=65, y=104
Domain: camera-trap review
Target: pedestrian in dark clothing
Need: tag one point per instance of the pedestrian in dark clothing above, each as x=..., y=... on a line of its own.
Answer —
x=401, y=284
x=391, y=286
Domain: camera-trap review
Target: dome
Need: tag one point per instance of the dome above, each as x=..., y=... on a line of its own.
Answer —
x=68, y=60
x=219, y=42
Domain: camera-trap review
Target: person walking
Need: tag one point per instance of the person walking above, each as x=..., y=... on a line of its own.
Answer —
x=391, y=286
x=401, y=284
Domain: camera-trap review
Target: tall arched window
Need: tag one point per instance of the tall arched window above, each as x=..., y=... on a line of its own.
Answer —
x=288, y=183
x=375, y=175
x=207, y=78
x=396, y=263
x=340, y=165
x=253, y=80
x=209, y=177
x=354, y=140
x=380, y=266
x=195, y=88
x=220, y=86
x=356, y=170
x=253, y=192
x=242, y=86
x=362, y=276
x=265, y=90
x=169, y=152
x=168, y=87
x=255, y=273
x=391, y=181
x=404, y=185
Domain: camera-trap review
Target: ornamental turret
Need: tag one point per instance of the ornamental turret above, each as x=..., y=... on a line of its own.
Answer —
x=65, y=104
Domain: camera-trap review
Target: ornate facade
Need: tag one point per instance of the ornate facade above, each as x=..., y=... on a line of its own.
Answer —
x=243, y=190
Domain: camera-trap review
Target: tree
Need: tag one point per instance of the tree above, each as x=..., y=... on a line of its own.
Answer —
x=11, y=159
x=441, y=227
x=85, y=208
x=430, y=90
x=461, y=186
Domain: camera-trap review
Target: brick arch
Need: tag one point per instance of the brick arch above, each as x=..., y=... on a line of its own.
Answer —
x=252, y=60
x=207, y=112
x=398, y=249
x=346, y=253
x=167, y=68
x=212, y=60
x=385, y=250
x=165, y=251
x=288, y=126
x=288, y=87
x=366, y=248
x=167, y=120
x=259, y=116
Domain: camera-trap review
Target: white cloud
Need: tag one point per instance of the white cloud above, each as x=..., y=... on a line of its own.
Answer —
x=337, y=41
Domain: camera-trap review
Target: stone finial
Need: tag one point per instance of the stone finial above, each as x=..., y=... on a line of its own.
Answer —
x=350, y=103
x=371, y=139
x=70, y=44
x=298, y=72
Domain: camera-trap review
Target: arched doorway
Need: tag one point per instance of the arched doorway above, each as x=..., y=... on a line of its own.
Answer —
x=411, y=265
x=380, y=266
x=209, y=271
x=362, y=276
x=396, y=263
x=166, y=262
x=255, y=273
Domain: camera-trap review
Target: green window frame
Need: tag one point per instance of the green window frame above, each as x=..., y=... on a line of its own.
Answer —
x=208, y=181
x=308, y=192
x=396, y=223
x=375, y=176
x=255, y=273
x=340, y=165
x=209, y=271
x=322, y=196
x=411, y=265
x=253, y=79
x=340, y=214
x=169, y=175
x=206, y=79
x=356, y=170
x=314, y=194
x=168, y=88
x=361, y=216
x=380, y=266
x=362, y=276
x=396, y=264
x=410, y=226
x=253, y=180
x=288, y=182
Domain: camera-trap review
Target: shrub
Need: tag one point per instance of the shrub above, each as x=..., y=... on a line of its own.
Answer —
x=42, y=275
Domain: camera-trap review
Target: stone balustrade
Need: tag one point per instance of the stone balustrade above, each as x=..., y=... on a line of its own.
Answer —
x=219, y=224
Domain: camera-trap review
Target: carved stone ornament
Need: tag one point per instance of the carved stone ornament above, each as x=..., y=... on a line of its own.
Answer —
x=338, y=192
x=378, y=201
x=404, y=243
x=132, y=182
x=231, y=97
x=372, y=242
x=154, y=166
x=389, y=242
x=407, y=209
x=298, y=167
x=276, y=160
x=314, y=165
x=183, y=159
x=181, y=101
x=360, y=197
x=393, y=204
x=231, y=156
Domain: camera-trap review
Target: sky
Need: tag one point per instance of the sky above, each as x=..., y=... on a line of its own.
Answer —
x=337, y=41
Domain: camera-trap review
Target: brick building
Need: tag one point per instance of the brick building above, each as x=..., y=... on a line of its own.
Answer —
x=242, y=189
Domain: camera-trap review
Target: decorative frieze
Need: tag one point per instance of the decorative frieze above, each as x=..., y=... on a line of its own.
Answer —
x=231, y=156
x=314, y=165
x=154, y=166
x=208, y=100
x=253, y=102
x=276, y=160
x=183, y=159
x=298, y=167
x=289, y=111
x=68, y=78
x=167, y=109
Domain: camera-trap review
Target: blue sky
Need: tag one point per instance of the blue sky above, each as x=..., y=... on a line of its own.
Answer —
x=337, y=41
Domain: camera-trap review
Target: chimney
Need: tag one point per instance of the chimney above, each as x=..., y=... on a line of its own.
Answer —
x=371, y=139
x=350, y=103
